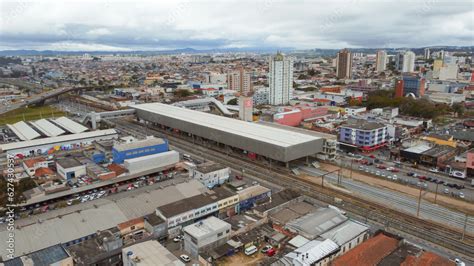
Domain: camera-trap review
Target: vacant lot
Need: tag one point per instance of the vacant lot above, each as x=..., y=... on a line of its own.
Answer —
x=30, y=113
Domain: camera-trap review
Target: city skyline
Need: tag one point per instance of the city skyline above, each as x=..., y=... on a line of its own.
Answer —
x=117, y=26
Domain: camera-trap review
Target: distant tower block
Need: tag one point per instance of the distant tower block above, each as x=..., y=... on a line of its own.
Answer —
x=245, y=108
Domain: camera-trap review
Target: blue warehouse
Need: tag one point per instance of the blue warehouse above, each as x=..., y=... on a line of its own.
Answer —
x=121, y=152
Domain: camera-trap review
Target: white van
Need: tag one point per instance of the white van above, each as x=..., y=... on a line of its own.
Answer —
x=250, y=250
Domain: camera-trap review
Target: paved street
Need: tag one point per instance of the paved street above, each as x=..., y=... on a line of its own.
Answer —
x=400, y=201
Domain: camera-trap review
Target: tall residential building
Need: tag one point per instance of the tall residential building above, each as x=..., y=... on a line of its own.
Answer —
x=381, y=61
x=405, y=61
x=239, y=80
x=344, y=64
x=280, y=79
x=427, y=53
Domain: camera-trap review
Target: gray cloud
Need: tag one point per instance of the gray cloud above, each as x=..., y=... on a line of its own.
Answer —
x=207, y=24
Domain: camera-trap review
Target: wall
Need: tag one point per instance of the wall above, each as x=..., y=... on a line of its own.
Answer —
x=120, y=156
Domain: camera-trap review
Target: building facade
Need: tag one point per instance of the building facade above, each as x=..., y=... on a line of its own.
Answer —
x=210, y=174
x=240, y=81
x=405, y=61
x=205, y=234
x=344, y=64
x=280, y=79
x=121, y=152
x=365, y=135
x=381, y=61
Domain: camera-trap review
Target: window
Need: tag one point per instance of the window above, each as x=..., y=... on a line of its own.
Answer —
x=220, y=234
x=132, y=227
x=350, y=245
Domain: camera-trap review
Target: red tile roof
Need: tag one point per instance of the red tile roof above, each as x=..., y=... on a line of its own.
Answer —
x=368, y=253
x=117, y=169
x=43, y=171
x=31, y=162
x=428, y=259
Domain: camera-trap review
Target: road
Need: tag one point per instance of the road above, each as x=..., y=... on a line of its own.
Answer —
x=399, y=201
x=403, y=178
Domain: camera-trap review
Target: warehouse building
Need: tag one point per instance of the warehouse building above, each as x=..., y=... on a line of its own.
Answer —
x=156, y=162
x=210, y=174
x=51, y=144
x=70, y=168
x=260, y=140
x=139, y=148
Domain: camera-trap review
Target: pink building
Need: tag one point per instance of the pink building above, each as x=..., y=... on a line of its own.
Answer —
x=293, y=117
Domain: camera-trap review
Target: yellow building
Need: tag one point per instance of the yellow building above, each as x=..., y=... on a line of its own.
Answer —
x=437, y=65
x=445, y=140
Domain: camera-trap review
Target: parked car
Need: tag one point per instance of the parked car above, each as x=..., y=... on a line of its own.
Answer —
x=178, y=238
x=461, y=195
x=265, y=248
x=434, y=170
x=69, y=202
x=446, y=191
x=250, y=250
x=185, y=258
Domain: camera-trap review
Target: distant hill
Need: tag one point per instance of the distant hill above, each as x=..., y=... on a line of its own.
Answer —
x=318, y=51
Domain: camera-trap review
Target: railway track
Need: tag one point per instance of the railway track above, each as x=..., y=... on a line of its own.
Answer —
x=430, y=231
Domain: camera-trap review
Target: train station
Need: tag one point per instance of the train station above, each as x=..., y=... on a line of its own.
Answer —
x=255, y=139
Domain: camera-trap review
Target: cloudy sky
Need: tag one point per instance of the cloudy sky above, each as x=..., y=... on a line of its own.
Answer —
x=206, y=24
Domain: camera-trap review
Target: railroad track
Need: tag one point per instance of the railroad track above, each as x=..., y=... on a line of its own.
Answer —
x=438, y=234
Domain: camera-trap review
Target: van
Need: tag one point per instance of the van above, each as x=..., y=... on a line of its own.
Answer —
x=250, y=250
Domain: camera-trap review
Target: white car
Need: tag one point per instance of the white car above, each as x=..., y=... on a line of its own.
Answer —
x=178, y=238
x=101, y=193
x=389, y=177
x=434, y=170
x=394, y=177
x=185, y=258
x=69, y=202
x=461, y=195
x=85, y=198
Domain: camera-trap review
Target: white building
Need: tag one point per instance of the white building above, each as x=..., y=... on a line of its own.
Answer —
x=427, y=53
x=347, y=235
x=208, y=233
x=149, y=253
x=448, y=72
x=245, y=108
x=31, y=165
x=381, y=61
x=405, y=61
x=210, y=174
x=214, y=77
x=280, y=79
x=261, y=95
x=355, y=110
x=313, y=253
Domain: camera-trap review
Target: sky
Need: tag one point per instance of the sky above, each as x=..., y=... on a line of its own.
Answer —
x=108, y=25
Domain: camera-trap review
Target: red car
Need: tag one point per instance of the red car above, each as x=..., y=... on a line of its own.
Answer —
x=395, y=170
x=422, y=177
x=381, y=166
x=239, y=177
x=271, y=252
x=372, y=156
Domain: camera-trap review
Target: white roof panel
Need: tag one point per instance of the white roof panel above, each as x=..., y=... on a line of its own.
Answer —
x=70, y=125
x=58, y=139
x=24, y=131
x=276, y=136
x=48, y=128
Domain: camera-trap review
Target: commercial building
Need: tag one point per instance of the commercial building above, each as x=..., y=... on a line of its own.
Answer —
x=381, y=61
x=70, y=168
x=158, y=161
x=248, y=197
x=344, y=64
x=210, y=174
x=139, y=148
x=148, y=253
x=315, y=252
x=365, y=135
x=405, y=61
x=205, y=235
x=410, y=85
x=275, y=143
x=240, y=81
x=347, y=235
x=52, y=144
x=355, y=110
x=280, y=78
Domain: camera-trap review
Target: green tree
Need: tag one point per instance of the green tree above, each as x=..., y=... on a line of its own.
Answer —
x=232, y=102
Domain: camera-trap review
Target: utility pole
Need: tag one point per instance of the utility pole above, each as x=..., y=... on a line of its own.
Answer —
x=352, y=162
x=419, y=203
x=436, y=192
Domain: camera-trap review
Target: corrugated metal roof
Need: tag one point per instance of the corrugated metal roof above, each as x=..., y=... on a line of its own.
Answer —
x=345, y=232
x=48, y=128
x=316, y=223
x=276, y=136
x=312, y=252
x=58, y=139
x=70, y=125
x=139, y=144
x=24, y=131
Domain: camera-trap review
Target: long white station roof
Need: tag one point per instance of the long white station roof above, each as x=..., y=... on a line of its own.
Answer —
x=275, y=136
x=48, y=128
x=58, y=139
x=23, y=131
x=70, y=125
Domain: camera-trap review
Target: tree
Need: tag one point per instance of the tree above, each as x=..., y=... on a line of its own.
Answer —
x=458, y=108
x=181, y=93
x=232, y=102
